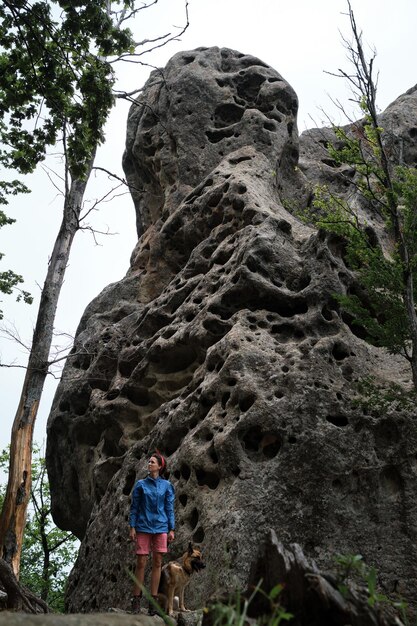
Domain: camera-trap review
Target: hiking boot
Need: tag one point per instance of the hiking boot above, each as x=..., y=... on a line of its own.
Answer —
x=136, y=605
x=152, y=608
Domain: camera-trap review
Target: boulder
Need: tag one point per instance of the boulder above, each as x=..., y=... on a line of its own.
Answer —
x=224, y=347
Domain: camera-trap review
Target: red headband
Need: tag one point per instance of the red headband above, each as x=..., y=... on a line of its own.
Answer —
x=161, y=457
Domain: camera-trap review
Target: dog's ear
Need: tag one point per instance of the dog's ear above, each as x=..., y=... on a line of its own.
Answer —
x=190, y=548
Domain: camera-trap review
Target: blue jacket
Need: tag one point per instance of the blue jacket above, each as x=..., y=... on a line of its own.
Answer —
x=152, y=508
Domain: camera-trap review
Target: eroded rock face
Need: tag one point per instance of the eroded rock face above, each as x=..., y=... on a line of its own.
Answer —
x=224, y=348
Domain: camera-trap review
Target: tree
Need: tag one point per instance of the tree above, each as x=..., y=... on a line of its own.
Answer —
x=58, y=62
x=385, y=303
x=47, y=551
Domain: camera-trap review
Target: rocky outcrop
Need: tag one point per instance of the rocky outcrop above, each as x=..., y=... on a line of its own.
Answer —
x=224, y=347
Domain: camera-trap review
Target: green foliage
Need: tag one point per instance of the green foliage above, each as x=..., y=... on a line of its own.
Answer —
x=9, y=280
x=235, y=613
x=379, y=398
x=384, y=303
x=352, y=568
x=54, y=74
x=47, y=552
x=383, y=278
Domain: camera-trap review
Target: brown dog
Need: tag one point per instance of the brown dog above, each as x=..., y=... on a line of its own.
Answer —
x=176, y=575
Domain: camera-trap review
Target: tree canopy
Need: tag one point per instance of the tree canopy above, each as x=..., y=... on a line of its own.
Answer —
x=57, y=73
x=56, y=80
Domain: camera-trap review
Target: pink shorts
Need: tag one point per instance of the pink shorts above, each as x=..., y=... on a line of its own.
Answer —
x=145, y=543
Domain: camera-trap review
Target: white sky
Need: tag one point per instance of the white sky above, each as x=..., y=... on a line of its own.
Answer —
x=299, y=38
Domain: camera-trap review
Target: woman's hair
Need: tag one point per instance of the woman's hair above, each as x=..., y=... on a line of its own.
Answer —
x=161, y=462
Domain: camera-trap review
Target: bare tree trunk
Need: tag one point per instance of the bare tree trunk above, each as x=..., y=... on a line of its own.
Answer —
x=13, y=515
x=46, y=559
x=19, y=598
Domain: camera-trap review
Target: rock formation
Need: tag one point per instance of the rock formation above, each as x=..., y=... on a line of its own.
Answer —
x=223, y=347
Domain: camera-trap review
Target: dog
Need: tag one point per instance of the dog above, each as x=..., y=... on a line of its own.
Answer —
x=176, y=575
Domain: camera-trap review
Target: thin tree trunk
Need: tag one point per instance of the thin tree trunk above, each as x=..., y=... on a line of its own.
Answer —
x=46, y=559
x=13, y=515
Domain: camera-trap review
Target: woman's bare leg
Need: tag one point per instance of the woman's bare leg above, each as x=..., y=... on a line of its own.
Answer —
x=140, y=573
x=156, y=572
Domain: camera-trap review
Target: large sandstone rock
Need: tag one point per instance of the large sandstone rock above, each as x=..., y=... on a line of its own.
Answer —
x=224, y=347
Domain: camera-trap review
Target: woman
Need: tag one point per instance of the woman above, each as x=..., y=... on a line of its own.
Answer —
x=152, y=525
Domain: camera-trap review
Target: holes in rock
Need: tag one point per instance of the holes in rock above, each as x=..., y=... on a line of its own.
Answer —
x=80, y=399
x=246, y=400
x=243, y=297
x=231, y=382
x=238, y=204
x=193, y=518
x=64, y=406
x=185, y=471
x=213, y=455
x=225, y=398
x=82, y=361
x=236, y=160
x=111, y=437
x=340, y=351
x=214, y=136
x=168, y=333
x=391, y=482
x=338, y=420
x=355, y=328
x=174, y=359
x=260, y=445
x=206, y=478
x=227, y=114
x=188, y=59
x=285, y=226
x=214, y=199
x=113, y=394
x=292, y=439
x=138, y=395
x=129, y=482
x=126, y=367
x=183, y=498
x=249, y=85
x=216, y=327
x=413, y=132
x=270, y=126
x=347, y=371
x=199, y=535
x=287, y=332
x=285, y=369
x=327, y=314
x=299, y=283
x=386, y=433
x=174, y=440
x=97, y=382
x=278, y=394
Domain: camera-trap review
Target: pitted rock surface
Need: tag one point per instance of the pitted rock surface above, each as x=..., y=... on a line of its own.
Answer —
x=224, y=348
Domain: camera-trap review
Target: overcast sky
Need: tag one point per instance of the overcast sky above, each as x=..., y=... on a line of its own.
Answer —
x=299, y=38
